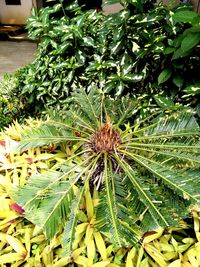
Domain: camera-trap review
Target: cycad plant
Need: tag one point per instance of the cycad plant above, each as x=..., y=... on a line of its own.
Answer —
x=147, y=172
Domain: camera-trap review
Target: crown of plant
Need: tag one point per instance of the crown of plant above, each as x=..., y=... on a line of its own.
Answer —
x=106, y=139
x=158, y=158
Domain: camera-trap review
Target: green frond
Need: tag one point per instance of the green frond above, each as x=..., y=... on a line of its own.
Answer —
x=186, y=188
x=81, y=121
x=70, y=226
x=114, y=214
x=127, y=216
x=65, y=124
x=89, y=105
x=170, y=205
x=46, y=135
x=111, y=202
x=188, y=144
x=178, y=124
x=54, y=209
x=143, y=193
x=35, y=188
x=69, y=229
x=187, y=157
x=47, y=199
x=119, y=110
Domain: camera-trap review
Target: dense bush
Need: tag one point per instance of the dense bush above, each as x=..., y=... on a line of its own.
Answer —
x=11, y=104
x=135, y=51
x=142, y=51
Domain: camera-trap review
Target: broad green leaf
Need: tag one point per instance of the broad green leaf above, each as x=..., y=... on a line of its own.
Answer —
x=185, y=16
x=195, y=28
x=179, y=53
x=190, y=41
x=127, y=68
x=92, y=66
x=109, y=64
x=70, y=76
x=34, y=12
x=114, y=78
x=54, y=44
x=178, y=80
x=45, y=17
x=109, y=86
x=80, y=56
x=164, y=75
x=118, y=35
x=168, y=50
x=177, y=41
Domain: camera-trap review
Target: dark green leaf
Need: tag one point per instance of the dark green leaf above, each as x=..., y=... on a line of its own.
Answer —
x=179, y=53
x=168, y=50
x=190, y=41
x=185, y=16
x=164, y=75
x=195, y=28
x=178, y=80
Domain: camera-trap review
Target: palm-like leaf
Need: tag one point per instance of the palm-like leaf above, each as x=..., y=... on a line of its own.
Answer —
x=115, y=214
x=49, y=197
x=147, y=173
x=69, y=229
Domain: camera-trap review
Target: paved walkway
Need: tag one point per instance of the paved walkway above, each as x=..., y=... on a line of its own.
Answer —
x=14, y=55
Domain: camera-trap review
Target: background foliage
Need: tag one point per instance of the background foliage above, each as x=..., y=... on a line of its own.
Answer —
x=12, y=104
x=142, y=51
